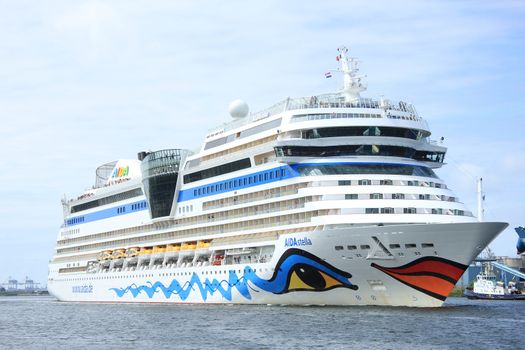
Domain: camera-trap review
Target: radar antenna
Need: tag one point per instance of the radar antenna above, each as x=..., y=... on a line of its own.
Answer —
x=353, y=83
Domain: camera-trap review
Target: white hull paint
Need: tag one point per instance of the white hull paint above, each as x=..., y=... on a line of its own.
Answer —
x=459, y=243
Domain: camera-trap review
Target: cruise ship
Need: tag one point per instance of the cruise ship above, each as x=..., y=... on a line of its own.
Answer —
x=329, y=199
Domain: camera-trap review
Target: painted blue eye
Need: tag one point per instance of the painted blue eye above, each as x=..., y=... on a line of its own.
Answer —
x=299, y=270
x=311, y=276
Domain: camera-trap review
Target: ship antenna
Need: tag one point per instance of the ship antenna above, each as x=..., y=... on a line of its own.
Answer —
x=352, y=83
x=481, y=200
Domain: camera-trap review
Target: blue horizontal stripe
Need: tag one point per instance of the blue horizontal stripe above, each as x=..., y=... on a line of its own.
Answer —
x=258, y=178
x=238, y=183
x=107, y=213
x=254, y=179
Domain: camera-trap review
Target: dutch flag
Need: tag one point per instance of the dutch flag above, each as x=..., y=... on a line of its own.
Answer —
x=328, y=75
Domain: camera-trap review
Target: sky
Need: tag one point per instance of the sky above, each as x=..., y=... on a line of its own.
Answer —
x=83, y=83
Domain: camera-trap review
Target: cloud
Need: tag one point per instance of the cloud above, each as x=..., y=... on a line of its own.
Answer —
x=90, y=27
x=86, y=82
x=514, y=162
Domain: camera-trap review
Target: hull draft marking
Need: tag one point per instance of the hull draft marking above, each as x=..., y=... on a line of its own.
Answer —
x=296, y=270
x=430, y=275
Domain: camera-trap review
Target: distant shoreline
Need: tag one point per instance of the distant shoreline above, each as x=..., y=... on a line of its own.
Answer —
x=23, y=294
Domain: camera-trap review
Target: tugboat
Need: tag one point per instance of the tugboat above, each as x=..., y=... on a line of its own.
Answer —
x=487, y=287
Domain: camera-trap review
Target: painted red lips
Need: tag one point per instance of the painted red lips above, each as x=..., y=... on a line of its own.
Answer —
x=430, y=275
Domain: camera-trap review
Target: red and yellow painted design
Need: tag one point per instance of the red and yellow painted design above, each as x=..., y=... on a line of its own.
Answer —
x=430, y=275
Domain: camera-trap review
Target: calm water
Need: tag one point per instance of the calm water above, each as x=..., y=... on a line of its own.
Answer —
x=43, y=323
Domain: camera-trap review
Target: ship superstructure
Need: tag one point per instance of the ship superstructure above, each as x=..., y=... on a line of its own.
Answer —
x=326, y=199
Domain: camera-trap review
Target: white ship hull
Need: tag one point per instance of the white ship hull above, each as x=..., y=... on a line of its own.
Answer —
x=420, y=270
x=328, y=199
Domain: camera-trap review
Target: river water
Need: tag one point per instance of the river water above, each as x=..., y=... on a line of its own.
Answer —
x=44, y=323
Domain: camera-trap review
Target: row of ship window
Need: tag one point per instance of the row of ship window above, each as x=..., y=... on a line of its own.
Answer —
x=298, y=118
x=401, y=196
x=387, y=182
x=413, y=134
x=361, y=150
x=288, y=219
x=279, y=173
x=140, y=205
x=77, y=220
x=364, y=169
x=240, y=182
x=120, y=210
x=70, y=232
x=135, y=206
x=323, y=116
x=217, y=170
x=186, y=209
x=107, y=200
x=437, y=211
x=315, y=102
x=216, y=272
x=304, y=170
x=392, y=246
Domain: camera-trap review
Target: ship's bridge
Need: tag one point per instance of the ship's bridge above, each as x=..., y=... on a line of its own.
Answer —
x=396, y=111
x=338, y=124
x=359, y=128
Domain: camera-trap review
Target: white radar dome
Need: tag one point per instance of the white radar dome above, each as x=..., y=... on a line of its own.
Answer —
x=238, y=109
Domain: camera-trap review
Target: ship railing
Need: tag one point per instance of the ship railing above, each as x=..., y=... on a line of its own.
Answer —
x=277, y=208
x=319, y=101
x=213, y=230
x=256, y=199
x=203, y=164
x=232, y=260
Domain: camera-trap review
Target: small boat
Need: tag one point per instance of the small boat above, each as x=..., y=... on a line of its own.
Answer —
x=486, y=287
x=105, y=255
x=203, y=244
x=132, y=252
x=172, y=248
x=145, y=251
x=118, y=254
x=188, y=246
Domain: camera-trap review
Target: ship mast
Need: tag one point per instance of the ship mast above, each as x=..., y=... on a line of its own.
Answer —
x=481, y=199
x=352, y=83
